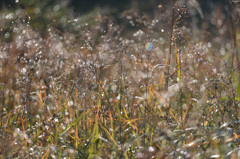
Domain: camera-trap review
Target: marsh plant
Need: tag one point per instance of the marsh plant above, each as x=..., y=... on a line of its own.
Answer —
x=132, y=84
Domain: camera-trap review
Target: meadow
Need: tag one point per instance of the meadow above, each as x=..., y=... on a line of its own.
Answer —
x=157, y=80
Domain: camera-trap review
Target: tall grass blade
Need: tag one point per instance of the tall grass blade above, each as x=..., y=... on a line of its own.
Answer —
x=73, y=123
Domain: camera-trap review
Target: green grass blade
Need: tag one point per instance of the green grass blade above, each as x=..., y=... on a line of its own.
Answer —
x=73, y=123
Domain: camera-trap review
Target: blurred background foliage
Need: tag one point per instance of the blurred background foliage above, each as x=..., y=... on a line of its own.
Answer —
x=83, y=6
x=57, y=12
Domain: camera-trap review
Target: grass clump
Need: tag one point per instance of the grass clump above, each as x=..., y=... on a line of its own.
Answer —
x=90, y=89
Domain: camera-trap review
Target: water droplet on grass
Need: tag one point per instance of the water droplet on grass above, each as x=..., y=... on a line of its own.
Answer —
x=151, y=149
x=149, y=46
x=215, y=156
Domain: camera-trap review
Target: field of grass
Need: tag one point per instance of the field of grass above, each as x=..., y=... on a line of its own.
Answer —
x=87, y=86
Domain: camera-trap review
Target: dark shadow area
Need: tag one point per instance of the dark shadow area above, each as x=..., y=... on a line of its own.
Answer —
x=83, y=6
x=7, y=4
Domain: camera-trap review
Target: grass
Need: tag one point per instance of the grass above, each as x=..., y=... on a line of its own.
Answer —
x=91, y=90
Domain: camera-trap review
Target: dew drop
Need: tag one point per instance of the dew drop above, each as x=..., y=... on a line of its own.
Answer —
x=149, y=46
